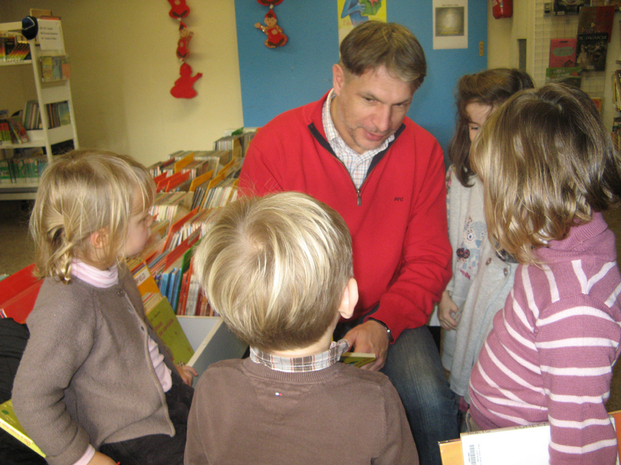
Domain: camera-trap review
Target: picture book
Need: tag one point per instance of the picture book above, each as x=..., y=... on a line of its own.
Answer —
x=563, y=53
x=10, y=423
x=596, y=19
x=568, y=7
x=516, y=445
x=166, y=325
x=357, y=359
x=571, y=76
x=592, y=50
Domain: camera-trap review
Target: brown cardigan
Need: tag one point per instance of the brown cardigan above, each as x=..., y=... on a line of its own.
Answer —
x=86, y=375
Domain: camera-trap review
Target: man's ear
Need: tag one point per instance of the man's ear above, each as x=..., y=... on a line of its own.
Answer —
x=338, y=78
x=349, y=300
x=99, y=239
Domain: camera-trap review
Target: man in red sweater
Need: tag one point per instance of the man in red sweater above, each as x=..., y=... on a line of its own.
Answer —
x=356, y=151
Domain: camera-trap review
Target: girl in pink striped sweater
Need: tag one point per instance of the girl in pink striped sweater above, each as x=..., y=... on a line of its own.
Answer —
x=549, y=169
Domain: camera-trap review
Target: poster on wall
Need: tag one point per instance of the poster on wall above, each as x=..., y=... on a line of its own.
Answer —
x=353, y=12
x=450, y=24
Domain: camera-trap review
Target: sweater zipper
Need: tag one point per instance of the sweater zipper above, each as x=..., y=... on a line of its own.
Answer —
x=358, y=190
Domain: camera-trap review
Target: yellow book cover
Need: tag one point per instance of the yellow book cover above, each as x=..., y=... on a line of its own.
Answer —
x=166, y=325
x=357, y=359
x=10, y=424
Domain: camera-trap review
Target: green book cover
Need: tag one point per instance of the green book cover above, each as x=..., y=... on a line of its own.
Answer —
x=10, y=424
x=167, y=327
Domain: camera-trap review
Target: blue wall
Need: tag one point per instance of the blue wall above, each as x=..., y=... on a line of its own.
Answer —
x=275, y=80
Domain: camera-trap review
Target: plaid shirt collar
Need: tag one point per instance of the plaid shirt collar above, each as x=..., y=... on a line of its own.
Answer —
x=301, y=364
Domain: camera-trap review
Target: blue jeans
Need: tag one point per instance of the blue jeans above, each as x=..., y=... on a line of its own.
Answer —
x=414, y=367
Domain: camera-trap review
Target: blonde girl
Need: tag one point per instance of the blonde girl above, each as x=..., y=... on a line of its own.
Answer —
x=96, y=385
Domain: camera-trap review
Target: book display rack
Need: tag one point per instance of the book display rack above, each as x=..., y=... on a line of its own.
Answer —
x=45, y=124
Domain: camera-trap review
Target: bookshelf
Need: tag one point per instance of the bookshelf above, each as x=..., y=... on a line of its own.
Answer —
x=14, y=75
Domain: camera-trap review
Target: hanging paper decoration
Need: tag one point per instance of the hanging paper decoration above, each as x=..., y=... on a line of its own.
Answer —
x=183, y=87
x=178, y=9
x=275, y=36
x=184, y=39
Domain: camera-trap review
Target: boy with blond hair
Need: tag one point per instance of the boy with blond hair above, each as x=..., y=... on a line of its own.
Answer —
x=279, y=270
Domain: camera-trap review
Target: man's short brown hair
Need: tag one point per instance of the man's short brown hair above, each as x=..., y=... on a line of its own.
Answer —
x=374, y=44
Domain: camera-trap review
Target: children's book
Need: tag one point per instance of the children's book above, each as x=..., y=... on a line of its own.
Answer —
x=516, y=445
x=10, y=424
x=357, y=359
x=596, y=19
x=166, y=325
x=592, y=50
x=571, y=76
x=568, y=7
x=563, y=53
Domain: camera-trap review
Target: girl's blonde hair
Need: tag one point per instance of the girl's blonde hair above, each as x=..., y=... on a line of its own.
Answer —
x=80, y=193
x=547, y=163
x=275, y=268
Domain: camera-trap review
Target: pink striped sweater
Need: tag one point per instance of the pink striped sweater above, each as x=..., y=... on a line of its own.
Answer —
x=550, y=353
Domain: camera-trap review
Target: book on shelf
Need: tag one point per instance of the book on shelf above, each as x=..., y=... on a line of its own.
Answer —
x=563, y=53
x=10, y=424
x=54, y=68
x=591, y=51
x=14, y=47
x=171, y=205
x=13, y=131
x=596, y=19
x=40, y=12
x=571, y=76
x=569, y=7
x=232, y=145
x=616, y=132
x=57, y=115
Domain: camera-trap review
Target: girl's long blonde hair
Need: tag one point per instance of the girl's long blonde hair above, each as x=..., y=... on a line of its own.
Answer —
x=80, y=193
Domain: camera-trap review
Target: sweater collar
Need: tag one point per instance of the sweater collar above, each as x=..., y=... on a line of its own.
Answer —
x=585, y=237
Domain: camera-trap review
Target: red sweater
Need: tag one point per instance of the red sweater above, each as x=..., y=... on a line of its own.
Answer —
x=397, y=219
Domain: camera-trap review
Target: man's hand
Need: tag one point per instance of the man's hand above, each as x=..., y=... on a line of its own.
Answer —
x=187, y=374
x=370, y=337
x=101, y=459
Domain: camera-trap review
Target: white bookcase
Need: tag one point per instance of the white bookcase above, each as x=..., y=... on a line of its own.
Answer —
x=17, y=88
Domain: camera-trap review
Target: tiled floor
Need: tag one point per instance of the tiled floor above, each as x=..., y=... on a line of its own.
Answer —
x=17, y=249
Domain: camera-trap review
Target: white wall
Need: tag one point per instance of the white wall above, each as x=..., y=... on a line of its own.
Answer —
x=503, y=35
x=123, y=66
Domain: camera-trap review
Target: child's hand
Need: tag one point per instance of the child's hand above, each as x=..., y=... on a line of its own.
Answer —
x=187, y=374
x=101, y=459
x=448, y=312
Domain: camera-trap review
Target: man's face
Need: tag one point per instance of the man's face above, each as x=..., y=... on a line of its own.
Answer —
x=367, y=109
